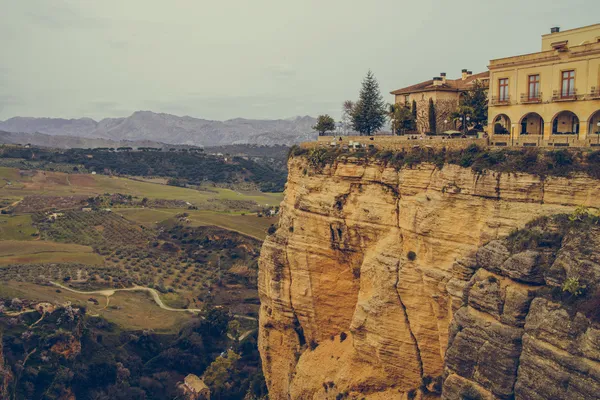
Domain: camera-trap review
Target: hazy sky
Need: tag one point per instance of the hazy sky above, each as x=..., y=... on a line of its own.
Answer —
x=250, y=58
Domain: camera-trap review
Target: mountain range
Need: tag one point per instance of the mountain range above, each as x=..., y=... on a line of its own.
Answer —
x=171, y=129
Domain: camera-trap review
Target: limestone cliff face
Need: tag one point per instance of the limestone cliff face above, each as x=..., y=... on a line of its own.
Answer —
x=518, y=334
x=361, y=282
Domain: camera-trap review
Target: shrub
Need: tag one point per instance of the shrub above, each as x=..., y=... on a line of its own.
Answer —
x=412, y=256
x=572, y=286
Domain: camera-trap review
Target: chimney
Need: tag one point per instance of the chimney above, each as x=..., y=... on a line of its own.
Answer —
x=464, y=74
x=555, y=29
x=443, y=76
x=437, y=81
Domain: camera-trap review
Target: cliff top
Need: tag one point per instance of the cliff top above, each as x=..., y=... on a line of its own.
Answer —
x=533, y=160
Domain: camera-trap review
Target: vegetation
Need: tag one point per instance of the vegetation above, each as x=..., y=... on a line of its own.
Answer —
x=324, y=124
x=402, y=119
x=572, y=286
x=369, y=113
x=432, y=117
x=538, y=162
x=17, y=227
x=69, y=353
x=474, y=104
x=192, y=168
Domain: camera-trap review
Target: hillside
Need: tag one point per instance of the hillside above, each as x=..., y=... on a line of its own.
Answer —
x=182, y=167
x=369, y=290
x=146, y=125
x=69, y=142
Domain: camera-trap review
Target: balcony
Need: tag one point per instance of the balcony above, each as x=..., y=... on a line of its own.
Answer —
x=571, y=95
x=594, y=93
x=500, y=101
x=529, y=98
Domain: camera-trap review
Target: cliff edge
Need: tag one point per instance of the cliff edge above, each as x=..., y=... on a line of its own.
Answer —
x=361, y=286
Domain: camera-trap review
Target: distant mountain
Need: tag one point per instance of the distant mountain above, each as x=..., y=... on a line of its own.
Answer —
x=167, y=128
x=69, y=142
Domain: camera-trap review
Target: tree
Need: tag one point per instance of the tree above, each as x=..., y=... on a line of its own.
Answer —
x=432, y=118
x=474, y=104
x=369, y=112
x=402, y=118
x=324, y=124
x=414, y=110
x=220, y=374
x=347, y=108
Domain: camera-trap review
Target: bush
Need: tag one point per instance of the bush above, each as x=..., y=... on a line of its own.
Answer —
x=412, y=256
x=572, y=286
x=343, y=336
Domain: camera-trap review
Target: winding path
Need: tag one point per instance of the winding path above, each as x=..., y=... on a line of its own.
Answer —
x=153, y=292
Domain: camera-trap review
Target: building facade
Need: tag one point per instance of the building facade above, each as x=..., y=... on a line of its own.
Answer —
x=445, y=94
x=551, y=94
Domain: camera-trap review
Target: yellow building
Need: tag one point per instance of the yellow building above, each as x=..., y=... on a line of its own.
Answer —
x=551, y=96
x=445, y=94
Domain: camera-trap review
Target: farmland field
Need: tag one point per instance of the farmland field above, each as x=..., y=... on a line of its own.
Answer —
x=16, y=227
x=193, y=245
x=249, y=224
x=18, y=184
x=129, y=310
x=27, y=252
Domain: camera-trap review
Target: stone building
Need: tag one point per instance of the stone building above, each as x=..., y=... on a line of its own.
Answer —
x=552, y=94
x=444, y=92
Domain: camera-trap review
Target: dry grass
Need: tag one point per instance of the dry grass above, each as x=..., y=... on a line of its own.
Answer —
x=129, y=310
x=248, y=224
x=27, y=252
x=62, y=184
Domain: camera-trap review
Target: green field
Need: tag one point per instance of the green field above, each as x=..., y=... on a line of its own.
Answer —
x=16, y=227
x=28, y=252
x=61, y=184
x=129, y=310
x=248, y=224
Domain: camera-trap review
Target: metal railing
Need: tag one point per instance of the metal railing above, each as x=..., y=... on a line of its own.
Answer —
x=531, y=97
x=500, y=101
x=559, y=95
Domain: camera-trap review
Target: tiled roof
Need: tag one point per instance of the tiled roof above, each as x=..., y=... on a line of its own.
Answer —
x=451, y=85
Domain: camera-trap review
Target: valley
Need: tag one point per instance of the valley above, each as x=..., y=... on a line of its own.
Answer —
x=138, y=254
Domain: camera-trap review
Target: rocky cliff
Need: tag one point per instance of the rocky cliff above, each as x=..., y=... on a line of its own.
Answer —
x=363, y=284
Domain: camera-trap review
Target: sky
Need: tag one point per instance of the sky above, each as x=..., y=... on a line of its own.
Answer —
x=263, y=59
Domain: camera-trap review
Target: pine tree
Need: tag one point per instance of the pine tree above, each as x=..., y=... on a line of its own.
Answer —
x=414, y=110
x=369, y=113
x=432, y=117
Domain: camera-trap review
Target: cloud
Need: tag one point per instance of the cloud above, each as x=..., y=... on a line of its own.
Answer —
x=119, y=44
x=6, y=101
x=60, y=14
x=280, y=71
x=103, y=108
x=227, y=107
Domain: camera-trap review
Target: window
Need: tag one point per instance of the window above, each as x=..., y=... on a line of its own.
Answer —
x=406, y=99
x=534, y=87
x=503, y=89
x=567, y=88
